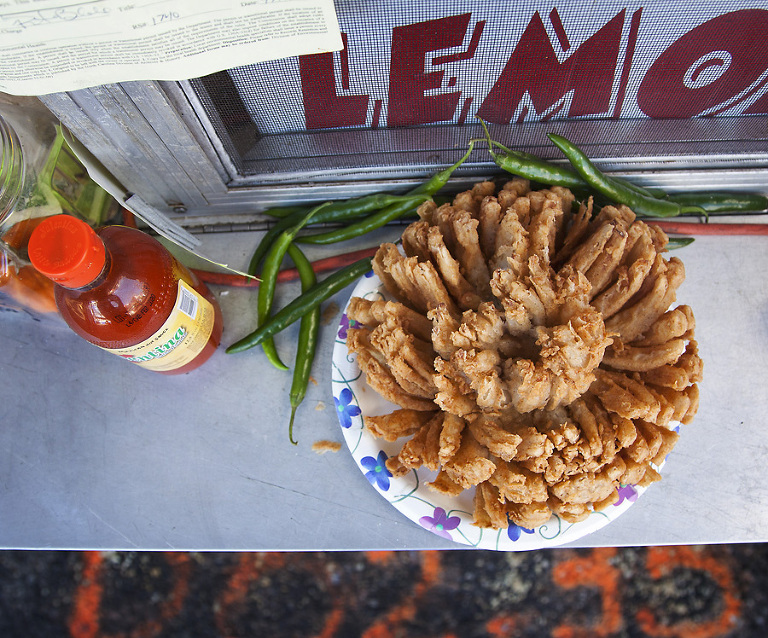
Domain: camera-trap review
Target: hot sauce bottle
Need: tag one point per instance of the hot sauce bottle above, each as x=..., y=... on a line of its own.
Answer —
x=121, y=289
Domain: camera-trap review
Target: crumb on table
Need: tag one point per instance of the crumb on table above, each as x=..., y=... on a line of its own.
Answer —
x=321, y=447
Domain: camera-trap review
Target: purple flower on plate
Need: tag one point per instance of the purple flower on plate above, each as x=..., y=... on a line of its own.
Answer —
x=626, y=493
x=440, y=523
x=377, y=473
x=344, y=408
x=514, y=531
x=344, y=325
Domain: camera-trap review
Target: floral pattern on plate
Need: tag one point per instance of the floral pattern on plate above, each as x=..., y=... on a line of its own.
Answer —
x=447, y=517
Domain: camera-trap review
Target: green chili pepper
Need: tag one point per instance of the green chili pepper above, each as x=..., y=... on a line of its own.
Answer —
x=365, y=225
x=617, y=191
x=339, y=211
x=538, y=170
x=723, y=202
x=302, y=304
x=309, y=329
x=421, y=193
x=578, y=184
x=531, y=167
x=268, y=239
x=268, y=281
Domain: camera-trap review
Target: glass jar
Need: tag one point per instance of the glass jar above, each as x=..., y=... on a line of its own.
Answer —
x=39, y=177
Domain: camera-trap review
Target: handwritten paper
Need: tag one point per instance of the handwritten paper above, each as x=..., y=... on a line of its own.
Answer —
x=49, y=46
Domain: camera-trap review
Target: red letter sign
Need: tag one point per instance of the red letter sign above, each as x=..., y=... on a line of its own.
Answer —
x=706, y=67
x=534, y=69
x=323, y=106
x=407, y=80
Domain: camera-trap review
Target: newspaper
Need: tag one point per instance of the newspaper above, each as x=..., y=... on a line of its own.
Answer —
x=50, y=46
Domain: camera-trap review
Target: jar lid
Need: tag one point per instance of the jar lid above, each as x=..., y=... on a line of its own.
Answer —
x=67, y=251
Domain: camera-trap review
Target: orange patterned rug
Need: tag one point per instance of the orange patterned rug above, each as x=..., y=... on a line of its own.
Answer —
x=663, y=592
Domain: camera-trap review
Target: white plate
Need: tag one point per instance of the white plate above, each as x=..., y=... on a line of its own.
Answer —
x=446, y=516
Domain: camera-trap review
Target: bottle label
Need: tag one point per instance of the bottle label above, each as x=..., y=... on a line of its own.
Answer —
x=180, y=339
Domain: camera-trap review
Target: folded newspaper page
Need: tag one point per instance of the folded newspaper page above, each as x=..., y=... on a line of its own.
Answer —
x=50, y=46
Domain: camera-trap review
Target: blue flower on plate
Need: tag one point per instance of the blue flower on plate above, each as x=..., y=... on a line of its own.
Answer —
x=440, y=523
x=514, y=531
x=377, y=473
x=626, y=493
x=345, y=409
x=368, y=275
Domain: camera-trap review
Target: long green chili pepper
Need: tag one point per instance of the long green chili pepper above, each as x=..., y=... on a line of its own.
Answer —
x=354, y=207
x=268, y=281
x=538, y=170
x=615, y=191
x=268, y=239
x=338, y=211
x=723, y=202
x=302, y=304
x=365, y=225
x=565, y=175
x=309, y=329
x=422, y=193
x=532, y=167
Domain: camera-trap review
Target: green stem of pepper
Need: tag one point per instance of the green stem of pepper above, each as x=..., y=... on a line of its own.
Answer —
x=309, y=329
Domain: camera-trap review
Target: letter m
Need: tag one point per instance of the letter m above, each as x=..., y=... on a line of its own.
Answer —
x=534, y=74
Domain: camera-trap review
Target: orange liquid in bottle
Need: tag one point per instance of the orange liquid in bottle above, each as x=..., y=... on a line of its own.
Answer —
x=133, y=296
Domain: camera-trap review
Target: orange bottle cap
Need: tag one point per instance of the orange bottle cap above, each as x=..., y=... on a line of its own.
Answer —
x=67, y=250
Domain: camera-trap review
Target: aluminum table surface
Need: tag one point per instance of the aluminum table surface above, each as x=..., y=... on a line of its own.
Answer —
x=96, y=453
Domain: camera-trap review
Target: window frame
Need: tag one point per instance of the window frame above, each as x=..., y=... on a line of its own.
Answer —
x=159, y=141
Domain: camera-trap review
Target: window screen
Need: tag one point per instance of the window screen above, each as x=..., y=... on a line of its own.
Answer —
x=653, y=80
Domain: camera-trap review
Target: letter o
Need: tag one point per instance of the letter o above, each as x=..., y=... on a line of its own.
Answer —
x=707, y=69
x=710, y=64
